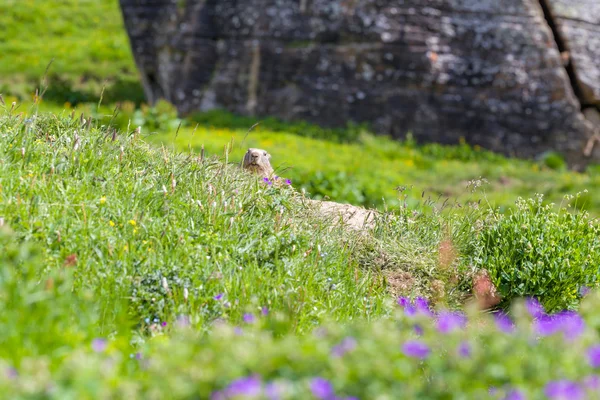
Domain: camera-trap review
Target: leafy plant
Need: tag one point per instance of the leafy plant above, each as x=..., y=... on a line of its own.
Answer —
x=538, y=251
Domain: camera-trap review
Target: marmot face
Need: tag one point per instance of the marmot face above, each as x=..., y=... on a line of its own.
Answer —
x=257, y=161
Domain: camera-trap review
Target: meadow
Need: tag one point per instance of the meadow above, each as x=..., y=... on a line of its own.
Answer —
x=139, y=261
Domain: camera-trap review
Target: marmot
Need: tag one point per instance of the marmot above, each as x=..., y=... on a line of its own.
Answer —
x=257, y=161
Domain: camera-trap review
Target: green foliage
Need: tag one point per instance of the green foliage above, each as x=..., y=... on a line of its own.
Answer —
x=362, y=360
x=554, y=160
x=538, y=251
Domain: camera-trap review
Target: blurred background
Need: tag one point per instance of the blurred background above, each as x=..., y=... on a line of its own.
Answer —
x=356, y=102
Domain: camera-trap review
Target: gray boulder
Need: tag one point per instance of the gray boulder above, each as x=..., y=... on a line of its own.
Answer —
x=488, y=71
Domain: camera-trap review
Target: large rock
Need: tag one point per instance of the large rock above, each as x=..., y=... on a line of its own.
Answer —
x=486, y=70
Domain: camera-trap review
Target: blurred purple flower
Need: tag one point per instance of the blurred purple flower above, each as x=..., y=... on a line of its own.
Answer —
x=238, y=331
x=264, y=311
x=288, y=182
x=568, y=322
x=450, y=321
x=11, y=373
x=416, y=349
x=573, y=325
x=248, y=386
x=138, y=356
x=464, y=350
x=405, y=303
x=534, y=307
x=249, y=318
x=99, y=345
x=503, y=322
x=321, y=388
x=423, y=306
x=514, y=395
x=593, y=354
x=564, y=390
x=218, y=297
x=273, y=391
x=584, y=291
x=163, y=324
x=348, y=344
x=546, y=325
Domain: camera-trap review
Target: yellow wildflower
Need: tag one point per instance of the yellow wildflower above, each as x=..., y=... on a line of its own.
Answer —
x=111, y=223
x=102, y=200
x=132, y=222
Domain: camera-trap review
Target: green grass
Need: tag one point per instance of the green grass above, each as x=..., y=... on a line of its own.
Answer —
x=132, y=271
x=84, y=39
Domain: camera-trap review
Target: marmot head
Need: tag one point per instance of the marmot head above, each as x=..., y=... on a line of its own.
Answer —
x=257, y=161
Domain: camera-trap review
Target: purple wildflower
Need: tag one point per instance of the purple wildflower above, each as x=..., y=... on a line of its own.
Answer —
x=163, y=324
x=504, y=323
x=346, y=345
x=416, y=349
x=572, y=325
x=138, y=356
x=422, y=306
x=464, y=350
x=593, y=354
x=405, y=303
x=288, y=182
x=534, y=307
x=514, y=395
x=99, y=345
x=564, y=390
x=321, y=388
x=249, y=386
x=568, y=322
x=264, y=311
x=267, y=181
x=450, y=321
x=546, y=325
x=238, y=331
x=249, y=318
x=218, y=297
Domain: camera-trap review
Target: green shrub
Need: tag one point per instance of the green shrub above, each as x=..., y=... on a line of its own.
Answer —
x=535, y=250
x=554, y=160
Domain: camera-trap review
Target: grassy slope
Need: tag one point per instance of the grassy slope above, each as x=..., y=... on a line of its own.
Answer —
x=113, y=249
x=131, y=216
x=85, y=38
